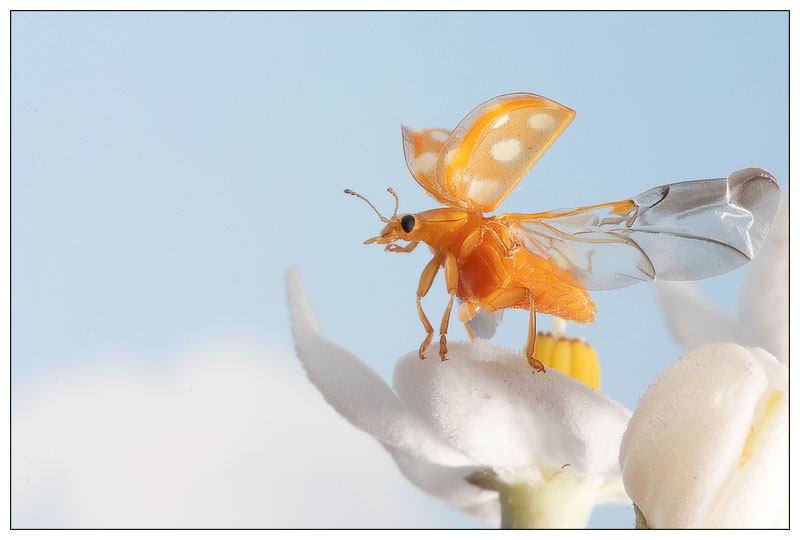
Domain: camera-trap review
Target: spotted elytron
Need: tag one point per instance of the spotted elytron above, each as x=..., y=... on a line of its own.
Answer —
x=546, y=262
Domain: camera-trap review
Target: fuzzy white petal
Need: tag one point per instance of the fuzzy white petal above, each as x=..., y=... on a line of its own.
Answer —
x=692, y=318
x=760, y=487
x=680, y=455
x=490, y=405
x=444, y=433
x=764, y=305
x=356, y=391
x=450, y=484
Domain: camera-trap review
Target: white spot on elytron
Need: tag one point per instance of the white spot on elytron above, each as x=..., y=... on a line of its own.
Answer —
x=440, y=136
x=449, y=156
x=425, y=162
x=484, y=191
x=506, y=150
x=501, y=121
x=541, y=121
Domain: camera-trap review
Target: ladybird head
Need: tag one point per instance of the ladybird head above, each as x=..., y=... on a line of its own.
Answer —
x=396, y=228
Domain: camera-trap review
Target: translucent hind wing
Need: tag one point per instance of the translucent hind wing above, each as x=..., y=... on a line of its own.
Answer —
x=484, y=325
x=421, y=148
x=493, y=147
x=678, y=232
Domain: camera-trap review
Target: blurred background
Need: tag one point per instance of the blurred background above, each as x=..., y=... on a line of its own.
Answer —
x=167, y=169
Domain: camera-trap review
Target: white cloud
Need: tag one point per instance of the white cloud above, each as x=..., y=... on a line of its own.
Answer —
x=219, y=435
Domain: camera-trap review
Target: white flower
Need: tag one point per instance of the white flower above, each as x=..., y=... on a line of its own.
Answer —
x=478, y=427
x=707, y=446
x=763, y=317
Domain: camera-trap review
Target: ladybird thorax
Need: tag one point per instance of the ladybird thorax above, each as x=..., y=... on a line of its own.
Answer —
x=443, y=229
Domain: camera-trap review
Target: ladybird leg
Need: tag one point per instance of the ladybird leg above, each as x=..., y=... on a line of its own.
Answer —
x=504, y=298
x=470, y=333
x=500, y=242
x=425, y=282
x=531, y=343
x=451, y=279
x=465, y=314
x=471, y=242
x=475, y=238
x=513, y=296
x=408, y=248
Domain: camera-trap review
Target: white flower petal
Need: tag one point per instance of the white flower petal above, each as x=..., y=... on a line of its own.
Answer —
x=761, y=486
x=489, y=404
x=681, y=453
x=692, y=319
x=444, y=436
x=355, y=390
x=451, y=485
x=764, y=305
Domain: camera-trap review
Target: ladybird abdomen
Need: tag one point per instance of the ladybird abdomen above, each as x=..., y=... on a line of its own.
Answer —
x=555, y=291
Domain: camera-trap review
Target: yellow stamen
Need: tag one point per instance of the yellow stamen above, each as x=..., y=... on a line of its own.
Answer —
x=758, y=431
x=544, y=347
x=569, y=356
x=561, y=359
x=585, y=365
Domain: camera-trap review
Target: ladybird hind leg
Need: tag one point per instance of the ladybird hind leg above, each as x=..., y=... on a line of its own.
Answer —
x=511, y=297
x=425, y=282
x=530, y=345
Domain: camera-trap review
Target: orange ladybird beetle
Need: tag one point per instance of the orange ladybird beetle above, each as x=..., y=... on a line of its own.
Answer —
x=546, y=262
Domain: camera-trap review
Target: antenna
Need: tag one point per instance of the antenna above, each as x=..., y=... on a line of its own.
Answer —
x=351, y=192
x=396, y=200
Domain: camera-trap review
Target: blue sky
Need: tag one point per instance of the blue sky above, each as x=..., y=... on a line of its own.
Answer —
x=167, y=168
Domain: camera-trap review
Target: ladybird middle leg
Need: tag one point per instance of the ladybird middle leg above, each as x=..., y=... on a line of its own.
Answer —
x=504, y=298
x=451, y=279
x=465, y=313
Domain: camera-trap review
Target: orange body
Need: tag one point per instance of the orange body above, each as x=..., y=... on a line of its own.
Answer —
x=498, y=262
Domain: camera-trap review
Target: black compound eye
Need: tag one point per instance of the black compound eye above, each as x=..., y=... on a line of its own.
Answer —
x=407, y=222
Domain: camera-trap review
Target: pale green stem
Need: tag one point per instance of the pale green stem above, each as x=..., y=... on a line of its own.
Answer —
x=564, y=501
x=641, y=522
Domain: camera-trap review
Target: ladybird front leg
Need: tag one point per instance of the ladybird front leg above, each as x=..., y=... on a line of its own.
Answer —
x=425, y=282
x=471, y=242
x=451, y=279
x=408, y=248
